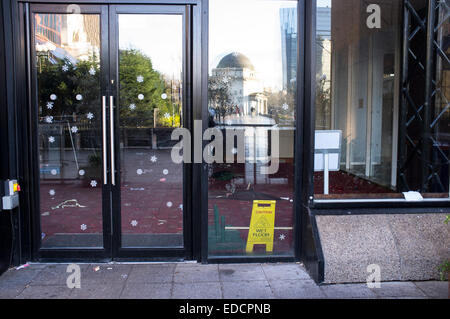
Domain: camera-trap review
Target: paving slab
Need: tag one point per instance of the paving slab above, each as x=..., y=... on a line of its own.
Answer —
x=285, y=272
x=135, y=290
x=399, y=289
x=52, y=275
x=201, y=290
x=158, y=273
x=97, y=291
x=247, y=290
x=105, y=273
x=348, y=291
x=21, y=277
x=434, y=289
x=296, y=289
x=45, y=292
x=239, y=272
x=201, y=273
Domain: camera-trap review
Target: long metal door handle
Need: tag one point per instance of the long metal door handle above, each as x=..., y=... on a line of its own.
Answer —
x=111, y=115
x=105, y=152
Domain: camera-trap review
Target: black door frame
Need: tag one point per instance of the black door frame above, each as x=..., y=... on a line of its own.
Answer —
x=27, y=101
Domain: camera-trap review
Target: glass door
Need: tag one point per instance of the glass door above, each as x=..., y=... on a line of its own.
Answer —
x=69, y=66
x=148, y=84
x=108, y=89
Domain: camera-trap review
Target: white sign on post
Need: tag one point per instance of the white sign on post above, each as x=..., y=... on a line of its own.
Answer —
x=327, y=154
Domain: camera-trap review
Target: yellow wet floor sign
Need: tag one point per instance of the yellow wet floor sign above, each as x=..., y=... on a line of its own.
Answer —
x=262, y=225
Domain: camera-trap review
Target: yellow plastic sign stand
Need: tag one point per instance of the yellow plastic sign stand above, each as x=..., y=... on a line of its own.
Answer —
x=262, y=225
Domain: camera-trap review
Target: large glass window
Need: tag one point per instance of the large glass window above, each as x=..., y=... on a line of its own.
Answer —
x=252, y=81
x=357, y=106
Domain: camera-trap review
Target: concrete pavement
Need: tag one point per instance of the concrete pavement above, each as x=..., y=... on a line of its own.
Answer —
x=196, y=281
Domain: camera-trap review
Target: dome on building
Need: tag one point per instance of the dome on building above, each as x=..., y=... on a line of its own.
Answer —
x=235, y=60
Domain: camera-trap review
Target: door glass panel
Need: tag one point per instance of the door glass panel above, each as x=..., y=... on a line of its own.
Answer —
x=67, y=48
x=150, y=108
x=252, y=93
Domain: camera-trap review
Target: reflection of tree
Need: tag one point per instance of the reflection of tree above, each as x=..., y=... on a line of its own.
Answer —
x=219, y=97
x=323, y=105
x=66, y=85
x=281, y=106
x=134, y=64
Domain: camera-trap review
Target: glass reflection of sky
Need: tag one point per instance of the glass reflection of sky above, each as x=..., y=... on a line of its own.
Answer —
x=137, y=31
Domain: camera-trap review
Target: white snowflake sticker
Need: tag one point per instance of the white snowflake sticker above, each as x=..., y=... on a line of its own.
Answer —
x=50, y=105
x=65, y=68
x=53, y=172
x=153, y=159
x=140, y=79
x=167, y=115
x=282, y=237
x=49, y=119
x=53, y=97
x=169, y=204
x=79, y=97
x=132, y=106
x=83, y=227
x=92, y=71
x=134, y=223
x=90, y=116
x=164, y=96
x=74, y=129
x=93, y=183
x=141, y=97
x=285, y=106
x=81, y=172
x=139, y=171
x=51, y=139
x=165, y=171
x=52, y=192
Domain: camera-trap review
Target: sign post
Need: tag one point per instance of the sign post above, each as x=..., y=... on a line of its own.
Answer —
x=327, y=153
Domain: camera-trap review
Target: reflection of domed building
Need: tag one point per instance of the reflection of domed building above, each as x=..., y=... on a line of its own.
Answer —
x=244, y=86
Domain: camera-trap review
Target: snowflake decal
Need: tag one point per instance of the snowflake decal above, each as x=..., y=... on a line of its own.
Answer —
x=282, y=237
x=93, y=183
x=234, y=151
x=74, y=129
x=83, y=227
x=165, y=171
x=181, y=206
x=90, y=116
x=51, y=139
x=50, y=105
x=49, y=119
x=92, y=71
x=134, y=223
x=53, y=97
x=285, y=107
x=139, y=171
x=79, y=97
x=167, y=116
x=141, y=97
x=52, y=192
x=132, y=106
x=65, y=68
x=140, y=79
x=164, y=96
x=153, y=159
x=81, y=172
x=53, y=172
x=169, y=204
